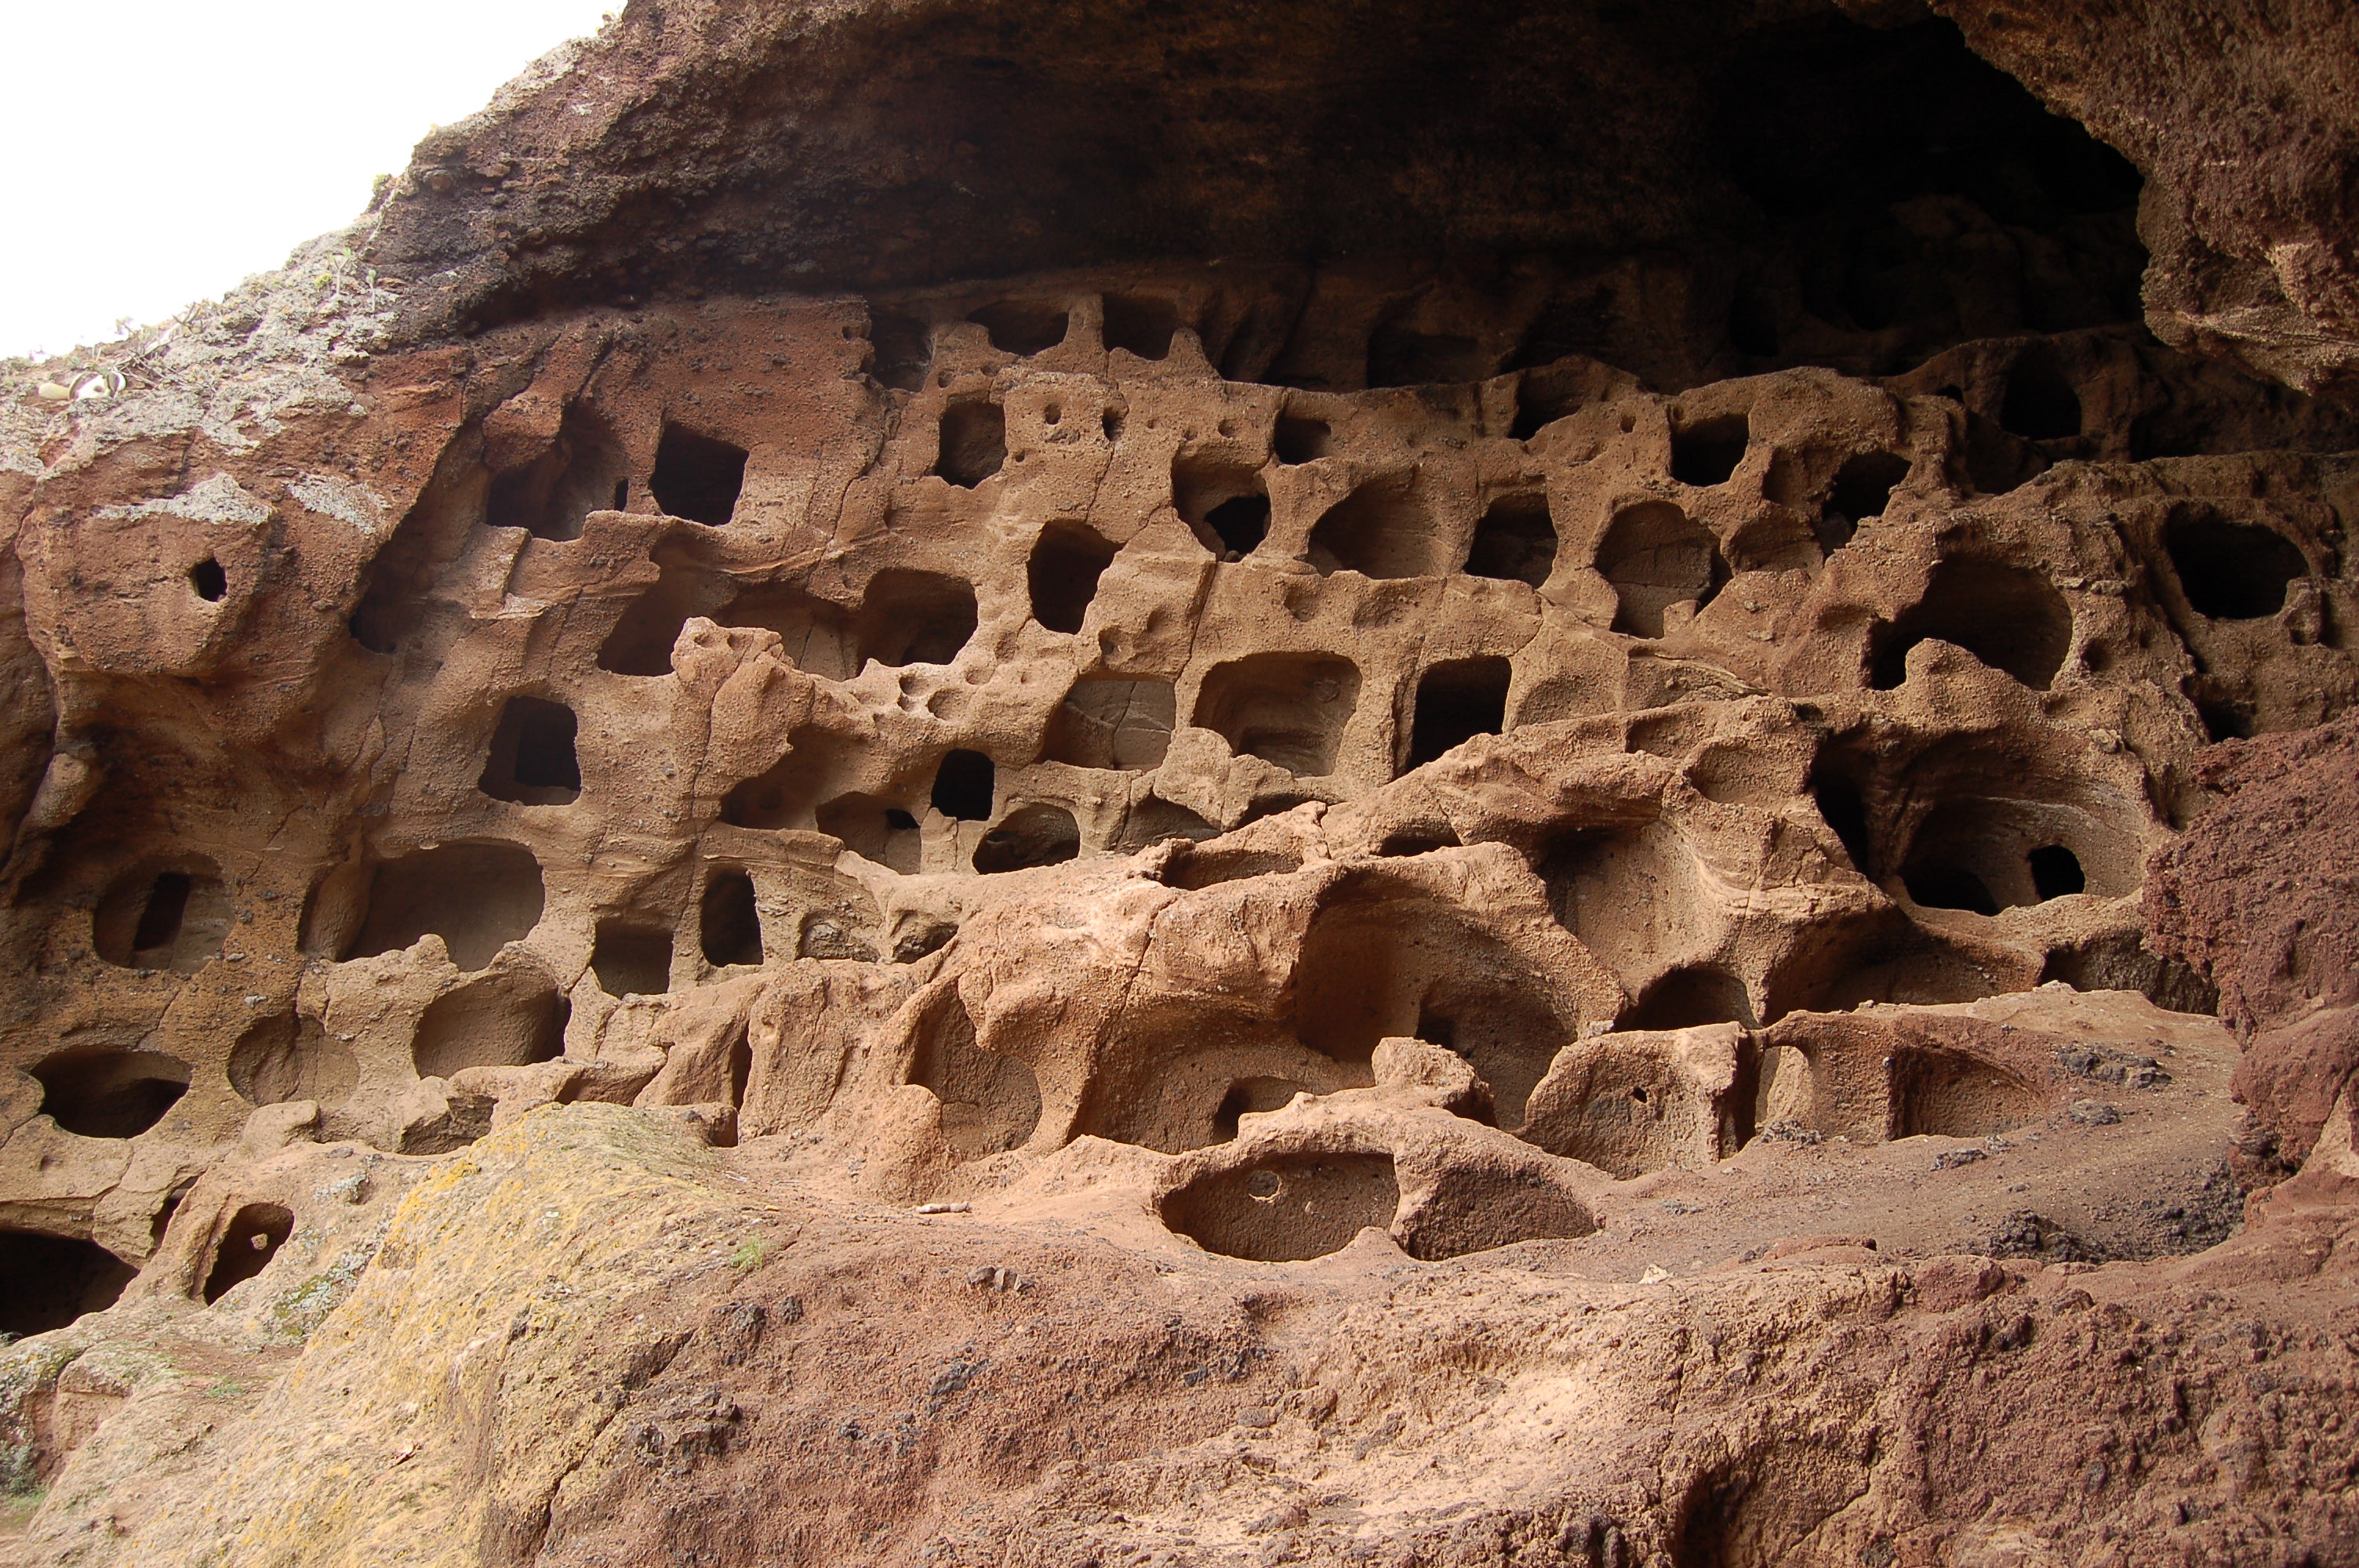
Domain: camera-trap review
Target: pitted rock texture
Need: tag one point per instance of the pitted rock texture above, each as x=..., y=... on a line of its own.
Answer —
x=2258, y=898
x=1482, y=901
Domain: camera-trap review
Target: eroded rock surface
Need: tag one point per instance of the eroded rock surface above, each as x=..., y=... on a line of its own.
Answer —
x=1057, y=897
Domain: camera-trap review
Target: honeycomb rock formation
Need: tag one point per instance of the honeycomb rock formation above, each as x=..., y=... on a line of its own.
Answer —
x=1257, y=786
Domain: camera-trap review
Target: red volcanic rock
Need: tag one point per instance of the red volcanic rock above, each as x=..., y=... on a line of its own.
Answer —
x=2259, y=896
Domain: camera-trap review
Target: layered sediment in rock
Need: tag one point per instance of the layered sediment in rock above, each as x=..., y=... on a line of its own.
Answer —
x=1426, y=835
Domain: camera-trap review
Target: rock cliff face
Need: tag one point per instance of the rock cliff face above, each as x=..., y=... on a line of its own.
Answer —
x=932, y=783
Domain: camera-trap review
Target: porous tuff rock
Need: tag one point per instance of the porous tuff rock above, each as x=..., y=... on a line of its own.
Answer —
x=1439, y=824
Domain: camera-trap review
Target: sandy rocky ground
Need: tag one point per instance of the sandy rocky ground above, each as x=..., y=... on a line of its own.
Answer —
x=897, y=786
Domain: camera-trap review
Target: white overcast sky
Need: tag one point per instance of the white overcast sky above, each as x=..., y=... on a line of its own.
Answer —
x=160, y=153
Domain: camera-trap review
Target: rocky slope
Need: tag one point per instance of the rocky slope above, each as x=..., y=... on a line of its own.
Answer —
x=1265, y=786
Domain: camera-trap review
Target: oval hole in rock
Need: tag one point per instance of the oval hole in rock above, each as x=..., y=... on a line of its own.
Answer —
x=1067, y=561
x=290, y=1058
x=102, y=1092
x=2230, y=570
x=2056, y=872
x=729, y=924
x=1286, y=1209
x=208, y=580
x=974, y=442
x=1223, y=504
x=696, y=477
x=1036, y=835
x=47, y=1282
x=504, y=1021
x=964, y=786
x=1020, y=327
x=255, y=1234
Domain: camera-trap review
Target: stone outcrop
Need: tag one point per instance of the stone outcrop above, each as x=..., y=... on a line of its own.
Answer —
x=898, y=786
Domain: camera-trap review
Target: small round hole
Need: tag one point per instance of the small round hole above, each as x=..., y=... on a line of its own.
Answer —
x=1051, y=415
x=1228, y=426
x=1262, y=1185
x=208, y=580
x=1638, y=1094
x=1629, y=422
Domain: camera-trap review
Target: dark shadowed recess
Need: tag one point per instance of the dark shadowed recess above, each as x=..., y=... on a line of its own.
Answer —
x=47, y=1282
x=904, y=147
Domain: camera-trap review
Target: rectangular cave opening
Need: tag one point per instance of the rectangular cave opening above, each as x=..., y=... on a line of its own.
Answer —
x=1516, y=541
x=815, y=635
x=1290, y=709
x=1382, y=529
x=874, y=830
x=1108, y=722
x=1455, y=702
x=696, y=477
x=972, y=442
x=584, y=469
x=1062, y=574
x=910, y=617
x=532, y=759
x=729, y=924
x=477, y=895
x=632, y=958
